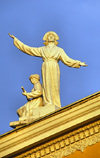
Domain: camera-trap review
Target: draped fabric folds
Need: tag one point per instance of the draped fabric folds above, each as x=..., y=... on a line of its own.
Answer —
x=51, y=54
x=26, y=111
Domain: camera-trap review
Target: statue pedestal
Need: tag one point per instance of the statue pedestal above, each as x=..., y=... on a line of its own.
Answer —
x=44, y=110
x=37, y=113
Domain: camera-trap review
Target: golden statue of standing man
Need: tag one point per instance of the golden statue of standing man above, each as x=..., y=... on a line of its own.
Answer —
x=51, y=54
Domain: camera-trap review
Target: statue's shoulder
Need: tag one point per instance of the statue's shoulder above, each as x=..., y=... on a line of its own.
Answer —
x=59, y=48
x=42, y=47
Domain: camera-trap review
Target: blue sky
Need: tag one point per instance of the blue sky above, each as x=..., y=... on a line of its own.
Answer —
x=78, y=25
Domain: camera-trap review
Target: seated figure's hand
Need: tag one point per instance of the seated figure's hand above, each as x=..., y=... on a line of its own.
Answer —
x=24, y=93
x=12, y=36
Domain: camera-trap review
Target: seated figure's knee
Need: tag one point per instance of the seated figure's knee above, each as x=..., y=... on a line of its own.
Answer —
x=21, y=111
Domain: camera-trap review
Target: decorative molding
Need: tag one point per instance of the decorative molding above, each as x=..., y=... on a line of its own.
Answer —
x=67, y=144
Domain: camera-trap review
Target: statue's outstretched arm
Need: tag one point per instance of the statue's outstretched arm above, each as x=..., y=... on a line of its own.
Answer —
x=70, y=62
x=26, y=49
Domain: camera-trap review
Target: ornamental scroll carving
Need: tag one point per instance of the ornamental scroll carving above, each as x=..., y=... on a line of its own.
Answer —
x=67, y=144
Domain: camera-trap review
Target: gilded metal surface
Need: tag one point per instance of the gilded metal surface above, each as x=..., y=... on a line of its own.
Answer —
x=51, y=54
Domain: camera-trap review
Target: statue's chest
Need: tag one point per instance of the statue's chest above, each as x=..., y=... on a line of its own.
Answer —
x=50, y=52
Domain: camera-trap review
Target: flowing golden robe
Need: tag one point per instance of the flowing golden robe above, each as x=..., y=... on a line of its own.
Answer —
x=50, y=68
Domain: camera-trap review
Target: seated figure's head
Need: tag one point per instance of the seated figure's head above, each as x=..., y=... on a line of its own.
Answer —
x=34, y=78
x=50, y=37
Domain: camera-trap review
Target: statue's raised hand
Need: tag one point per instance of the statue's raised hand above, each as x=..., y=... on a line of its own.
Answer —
x=83, y=64
x=12, y=36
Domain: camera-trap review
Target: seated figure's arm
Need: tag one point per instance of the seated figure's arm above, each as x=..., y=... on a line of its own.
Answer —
x=34, y=94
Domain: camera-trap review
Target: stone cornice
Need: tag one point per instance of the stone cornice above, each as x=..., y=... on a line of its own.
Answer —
x=67, y=144
x=63, y=120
